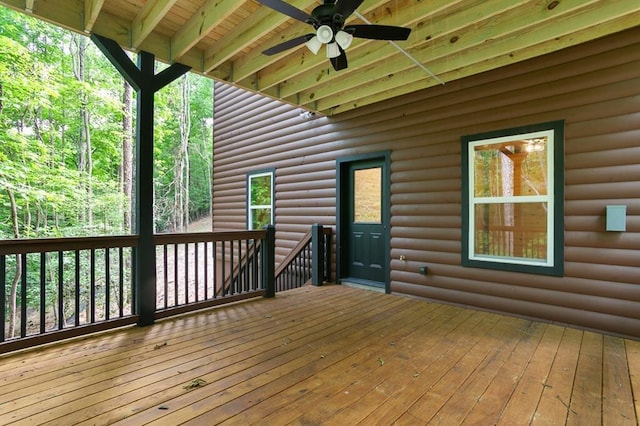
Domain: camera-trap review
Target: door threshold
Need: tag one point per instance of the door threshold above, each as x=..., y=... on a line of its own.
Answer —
x=376, y=288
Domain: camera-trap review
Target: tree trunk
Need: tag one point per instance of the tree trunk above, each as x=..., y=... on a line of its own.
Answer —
x=182, y=167
x=85, y=162
x=13, y=297
x=127, y=154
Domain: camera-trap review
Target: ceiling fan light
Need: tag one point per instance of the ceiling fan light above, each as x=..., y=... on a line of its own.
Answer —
x=344, y=39
x=314, y=45
x=324, y=34
x=333, y=50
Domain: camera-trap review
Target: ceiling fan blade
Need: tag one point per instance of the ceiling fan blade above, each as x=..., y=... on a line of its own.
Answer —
x=340, y=62
x=288, y=44
x=347, y=7
x=287, y=9
x=378, y=32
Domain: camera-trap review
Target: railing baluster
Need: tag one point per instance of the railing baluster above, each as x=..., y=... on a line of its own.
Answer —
x=206, y=270
x=175, y=275
x=23, y=296
x=61, y=318
x=165, y=267
x=77, y=282
x=231, y=268
x=186, y=273
x=43, y=291
x=239, y=284
x=214, y=254
x=196, y=272
x=223, y=290
x=107, y=284
x=251, y=257
x=92, y=286
x=246, y=266
x=121, y=281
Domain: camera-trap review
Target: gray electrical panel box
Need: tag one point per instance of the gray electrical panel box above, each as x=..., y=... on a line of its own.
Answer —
x=616, y=218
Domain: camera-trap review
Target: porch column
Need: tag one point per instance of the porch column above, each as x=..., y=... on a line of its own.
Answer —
x=146, y=83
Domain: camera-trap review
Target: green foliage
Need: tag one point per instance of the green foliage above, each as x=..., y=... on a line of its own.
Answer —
x=41, y=130
x=42, y=102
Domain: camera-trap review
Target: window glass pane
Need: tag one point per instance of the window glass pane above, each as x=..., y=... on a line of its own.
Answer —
x=367, y=196
x=512, y=168
x=260, y=217
x=516, y=230
x=260, y=190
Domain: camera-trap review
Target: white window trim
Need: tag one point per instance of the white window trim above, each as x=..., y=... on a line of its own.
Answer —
x=549, y=199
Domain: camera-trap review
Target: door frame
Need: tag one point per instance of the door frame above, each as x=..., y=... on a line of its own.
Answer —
x=342, y=208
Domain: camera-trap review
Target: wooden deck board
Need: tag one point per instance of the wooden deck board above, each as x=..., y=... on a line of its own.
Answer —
x=328, y=355
x=553, y=407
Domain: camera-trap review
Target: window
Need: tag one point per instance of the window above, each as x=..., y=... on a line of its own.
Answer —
x=260, y=199
x=513, y=194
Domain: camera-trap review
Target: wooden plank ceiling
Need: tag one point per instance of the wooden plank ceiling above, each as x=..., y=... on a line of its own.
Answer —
x=224, y=39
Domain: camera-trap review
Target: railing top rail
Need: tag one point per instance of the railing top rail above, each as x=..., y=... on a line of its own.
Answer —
x=41, y=245
x=201, y=237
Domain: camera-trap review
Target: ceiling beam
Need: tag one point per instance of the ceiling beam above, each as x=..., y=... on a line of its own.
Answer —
x=260, y=23
x=147, y=19
x=461, y=67
x=453, y=44
x=434, y=40
x=212, y=13
x=92, y=9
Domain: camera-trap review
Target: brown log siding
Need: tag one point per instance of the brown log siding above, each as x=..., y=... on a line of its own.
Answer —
x=594, y=87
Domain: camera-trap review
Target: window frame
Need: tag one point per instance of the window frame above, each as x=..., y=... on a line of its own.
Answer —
x=248, y=206
x=554, y=261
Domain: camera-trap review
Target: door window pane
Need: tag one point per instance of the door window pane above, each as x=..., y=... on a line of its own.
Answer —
x=367, y=195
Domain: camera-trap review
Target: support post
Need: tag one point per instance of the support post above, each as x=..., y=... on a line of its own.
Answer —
x=145, y=253
x=317, y=252
x=269, y=261
x=146, y=83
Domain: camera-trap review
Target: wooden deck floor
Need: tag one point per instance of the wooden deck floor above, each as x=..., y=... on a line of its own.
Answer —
x=329, y=355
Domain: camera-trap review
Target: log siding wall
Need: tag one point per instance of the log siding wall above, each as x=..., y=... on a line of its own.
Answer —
x=594, y=87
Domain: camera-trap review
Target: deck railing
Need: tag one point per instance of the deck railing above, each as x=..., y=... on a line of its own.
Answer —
x=206, y=269
x=309, y=260
x=51, y=289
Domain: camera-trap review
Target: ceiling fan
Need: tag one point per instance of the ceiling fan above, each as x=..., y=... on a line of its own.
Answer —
x=328, y=20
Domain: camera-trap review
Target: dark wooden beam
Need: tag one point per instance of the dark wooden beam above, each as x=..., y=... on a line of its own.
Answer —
x=146, y=83
x=120, y=60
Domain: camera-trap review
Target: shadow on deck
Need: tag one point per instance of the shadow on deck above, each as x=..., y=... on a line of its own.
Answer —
x=328, y=355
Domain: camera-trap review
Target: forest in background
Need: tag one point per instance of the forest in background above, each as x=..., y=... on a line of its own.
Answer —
x=67, y=139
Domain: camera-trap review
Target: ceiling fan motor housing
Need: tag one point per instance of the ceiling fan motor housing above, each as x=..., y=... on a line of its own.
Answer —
x=325, y=15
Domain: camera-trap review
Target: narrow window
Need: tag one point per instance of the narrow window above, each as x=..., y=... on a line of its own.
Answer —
x=260, y=199
x=513, y=199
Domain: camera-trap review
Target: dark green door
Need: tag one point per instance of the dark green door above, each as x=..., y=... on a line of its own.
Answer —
x=366, y=250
